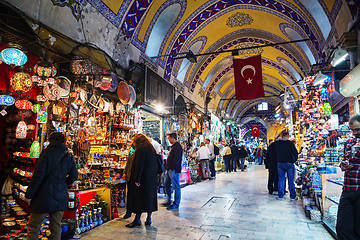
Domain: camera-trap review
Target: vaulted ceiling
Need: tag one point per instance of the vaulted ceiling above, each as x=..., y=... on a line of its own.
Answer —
x=140, y=29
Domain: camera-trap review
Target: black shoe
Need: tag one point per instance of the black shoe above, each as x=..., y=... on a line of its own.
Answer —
x=127, y=215
x=148, y=222
x=171, y=207
x=166, y=204
x=133, y=224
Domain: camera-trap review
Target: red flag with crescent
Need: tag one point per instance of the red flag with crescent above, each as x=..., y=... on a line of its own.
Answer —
x=248, y=78
x=255, y=130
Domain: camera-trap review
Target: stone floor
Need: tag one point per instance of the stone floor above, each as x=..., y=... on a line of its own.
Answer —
x=234, y=206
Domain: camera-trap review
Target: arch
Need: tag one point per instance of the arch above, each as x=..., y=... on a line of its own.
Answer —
x=160, y=27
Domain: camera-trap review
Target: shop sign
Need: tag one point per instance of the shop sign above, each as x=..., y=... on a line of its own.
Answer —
x=350, y=84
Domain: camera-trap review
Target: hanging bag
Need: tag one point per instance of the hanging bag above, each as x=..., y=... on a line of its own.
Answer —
x=6, y=188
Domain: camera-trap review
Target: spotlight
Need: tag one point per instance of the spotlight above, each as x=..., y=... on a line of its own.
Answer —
x=159, y=108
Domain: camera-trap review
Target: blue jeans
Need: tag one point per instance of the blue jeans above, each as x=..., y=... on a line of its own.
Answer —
x=233, y=164
x=227, y=162
x=242, y=162
x=172, y=181
x=289, y=169
x=259, y=160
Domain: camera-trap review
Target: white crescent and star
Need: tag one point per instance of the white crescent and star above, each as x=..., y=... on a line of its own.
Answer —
x=249, y=80
x=255, y=129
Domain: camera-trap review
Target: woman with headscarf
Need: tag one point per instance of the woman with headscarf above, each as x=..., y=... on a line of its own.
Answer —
x=143, y=180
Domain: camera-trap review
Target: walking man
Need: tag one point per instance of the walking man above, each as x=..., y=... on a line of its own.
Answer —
x=234, y=156
x=350, y=197
x=286, y=156
x=212, y=158
x=173, y=170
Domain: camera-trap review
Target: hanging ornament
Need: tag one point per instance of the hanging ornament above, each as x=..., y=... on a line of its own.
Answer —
x=45, y=69
x=6, y=100
x=78, y=102
x=327, y=109
x=21, y=130
x=35, y=108
x=42, y=115
x=23, y=104
x=324, y=93
x=105, y=83
x=13, y=55
x=21, y=82
x=35, y=150
x=41, y=98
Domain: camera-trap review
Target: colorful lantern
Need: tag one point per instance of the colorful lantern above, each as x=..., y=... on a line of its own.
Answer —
x=21, y=130
x=324, y=93
x=35, y=149
x=74, y=95
x=77, y=89
x=6, y=100
x=13, y=56
x=41, y=98
x=35, y=108
x=21, y=82
x=23, y=104
x=78, y=102
x=1, y=61
x=105, y=83
x=327, y=109
x=45, y=71
x=42, y=115
x=85, y=110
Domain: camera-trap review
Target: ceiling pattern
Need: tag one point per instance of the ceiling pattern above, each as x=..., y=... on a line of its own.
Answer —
x=218, y=25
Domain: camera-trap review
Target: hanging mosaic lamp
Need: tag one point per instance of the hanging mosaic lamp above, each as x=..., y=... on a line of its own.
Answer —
x=21, y=82
x=21, y=130
x=41, y=98
x=23, y=104
x=35, y=108
x=324, y=93
x=35, y=150
x=13, y=55
x=1, y=61
x=105, y=83
x=6, y=100
x=42, y=115
x=327, y=109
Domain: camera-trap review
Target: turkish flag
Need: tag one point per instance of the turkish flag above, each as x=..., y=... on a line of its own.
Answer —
x=248, y=78
x=255, y=130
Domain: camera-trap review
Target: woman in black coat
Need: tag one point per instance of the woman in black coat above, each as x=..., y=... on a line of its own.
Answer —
x=143, y=180
x=54, y=172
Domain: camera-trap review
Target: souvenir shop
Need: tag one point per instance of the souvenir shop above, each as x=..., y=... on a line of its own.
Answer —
x=92, y=106
x=320, y=132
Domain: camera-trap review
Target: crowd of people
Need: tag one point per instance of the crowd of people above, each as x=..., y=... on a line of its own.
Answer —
x=144, y=166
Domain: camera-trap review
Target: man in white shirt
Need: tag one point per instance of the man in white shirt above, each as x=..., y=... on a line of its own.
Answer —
x=212, y=158
x=203, y=156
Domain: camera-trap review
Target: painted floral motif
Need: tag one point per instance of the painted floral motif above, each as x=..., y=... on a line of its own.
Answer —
x=239, y=19
x=252, y=51
x=74, y=5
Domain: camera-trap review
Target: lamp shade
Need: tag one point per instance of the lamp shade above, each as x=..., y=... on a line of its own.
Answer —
x=21, y=130
x=319, y=79
x=6, y=100
x=339, y=56
x=327, y=109
x=13, y=56
x=21, y=82
x=35, y=149
x=23, y=104
x=42, y=115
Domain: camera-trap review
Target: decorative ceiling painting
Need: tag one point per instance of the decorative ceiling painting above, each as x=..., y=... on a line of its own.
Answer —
x=149, y=28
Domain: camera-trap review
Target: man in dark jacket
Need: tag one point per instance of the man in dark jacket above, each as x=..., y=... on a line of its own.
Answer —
x=173, y=170
x=54, y=172
x=234, y=156
x=271, y=165
x=286, y=156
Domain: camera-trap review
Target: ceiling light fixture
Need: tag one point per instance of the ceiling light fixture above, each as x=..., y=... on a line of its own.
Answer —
x=319, y=78
x=339, y=56
x=13, y=55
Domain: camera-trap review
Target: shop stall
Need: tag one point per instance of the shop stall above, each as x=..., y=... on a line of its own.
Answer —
x=91, y=105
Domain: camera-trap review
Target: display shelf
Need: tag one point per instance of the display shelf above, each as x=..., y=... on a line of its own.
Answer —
x=334, y=199
x=330, y=228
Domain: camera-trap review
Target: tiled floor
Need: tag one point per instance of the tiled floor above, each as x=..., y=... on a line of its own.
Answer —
x=234, y=206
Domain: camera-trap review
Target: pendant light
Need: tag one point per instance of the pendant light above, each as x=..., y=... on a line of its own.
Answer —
x=13, y=55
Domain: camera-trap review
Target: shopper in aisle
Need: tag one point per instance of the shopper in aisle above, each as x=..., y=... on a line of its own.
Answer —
x=82, y=146
x=126, y=176
x=271, y=166
x=226, y=153
x=345, y=227
x=234, y=156
x=286, y=155
x=54, y=172
x=212, y=158
x=173, y=170
x=259, y=154
x=243, y=154
x=203, y=156
x=143, y=180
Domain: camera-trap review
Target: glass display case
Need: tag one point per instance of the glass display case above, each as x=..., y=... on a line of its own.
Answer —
x=332, y=189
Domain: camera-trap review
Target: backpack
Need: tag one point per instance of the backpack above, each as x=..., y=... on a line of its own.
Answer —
x=216, y=150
